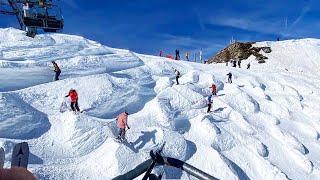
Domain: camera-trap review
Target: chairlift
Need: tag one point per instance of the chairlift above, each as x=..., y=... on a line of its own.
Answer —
x=158, y=160
x=34, y=14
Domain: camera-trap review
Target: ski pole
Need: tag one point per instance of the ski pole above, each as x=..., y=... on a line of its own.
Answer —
x=107, y=123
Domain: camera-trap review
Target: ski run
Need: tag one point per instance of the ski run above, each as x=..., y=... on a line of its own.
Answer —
x=265, y=125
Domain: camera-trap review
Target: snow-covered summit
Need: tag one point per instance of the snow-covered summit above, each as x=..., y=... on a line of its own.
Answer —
x=301, y=56
x=265, y=125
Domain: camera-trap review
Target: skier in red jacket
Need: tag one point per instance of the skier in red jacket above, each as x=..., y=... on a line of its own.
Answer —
x=74, y=100
x=214, y=89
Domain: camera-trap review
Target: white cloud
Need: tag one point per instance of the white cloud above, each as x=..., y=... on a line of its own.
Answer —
x=250, y=24
x=293, y=27
x=72, y=3
x=304, y=11
x=208, y=47
x=188, y=41
x=264, y=22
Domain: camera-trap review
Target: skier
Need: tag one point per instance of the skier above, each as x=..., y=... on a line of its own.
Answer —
x=169, y=56
x=122, y=124
x=42, y=2
x=26, y=9
x=177, y=54
x=234, y=63
x=229, y=77
x=74, y=100
x=26, y=13
x=160, y=54
x=209, y=103
x=214, y=89
x=177, y=73
x=248, y=66
x=56, y=70
x=239, y=63
x=187, y=56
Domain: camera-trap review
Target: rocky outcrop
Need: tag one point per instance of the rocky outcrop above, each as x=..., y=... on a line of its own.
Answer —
x=240, y=51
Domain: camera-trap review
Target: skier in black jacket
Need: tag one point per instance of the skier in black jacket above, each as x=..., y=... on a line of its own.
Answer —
x=229, y=77
x=177, y=54
x=57, y=70
x=177, y=73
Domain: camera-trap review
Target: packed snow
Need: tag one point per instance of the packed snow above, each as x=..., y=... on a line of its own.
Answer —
x=265, y=125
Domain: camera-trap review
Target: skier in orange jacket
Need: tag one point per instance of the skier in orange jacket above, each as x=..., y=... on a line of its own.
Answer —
x=122, y=120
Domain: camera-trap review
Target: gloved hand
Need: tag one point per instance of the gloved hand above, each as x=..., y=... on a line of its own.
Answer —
x=128, y=127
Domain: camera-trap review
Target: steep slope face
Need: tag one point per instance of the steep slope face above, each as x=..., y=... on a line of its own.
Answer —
x=264, y=126
x=300, y=56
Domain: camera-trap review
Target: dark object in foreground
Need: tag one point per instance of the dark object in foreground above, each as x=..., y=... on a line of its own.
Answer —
x=20, y=155
x=159, y=160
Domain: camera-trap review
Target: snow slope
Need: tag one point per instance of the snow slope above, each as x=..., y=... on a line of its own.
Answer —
x=264, y=126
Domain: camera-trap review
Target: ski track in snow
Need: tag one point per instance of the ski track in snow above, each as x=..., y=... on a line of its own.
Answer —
x=264, y=126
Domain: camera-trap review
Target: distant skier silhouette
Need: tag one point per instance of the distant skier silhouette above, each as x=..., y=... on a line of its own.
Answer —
x=234, y=63
x=209, y=103
x=229, y=77
x=187, y=56
x=239, y=63
x=248, y=66
x=177, y=73
x=177, y=54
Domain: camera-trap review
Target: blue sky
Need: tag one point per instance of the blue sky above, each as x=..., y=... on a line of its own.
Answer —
x=148, y=26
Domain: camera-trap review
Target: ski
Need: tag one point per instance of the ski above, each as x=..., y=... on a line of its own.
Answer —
x=124, y=141
x=117, y=140
x=20, y=155
x=2, y=156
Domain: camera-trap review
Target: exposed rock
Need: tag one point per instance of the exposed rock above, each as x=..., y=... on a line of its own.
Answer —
x=266, y=49
x=240, y=51
x=261, y=61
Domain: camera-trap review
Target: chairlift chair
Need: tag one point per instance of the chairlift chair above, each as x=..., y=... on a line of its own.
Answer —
x=35, y=14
